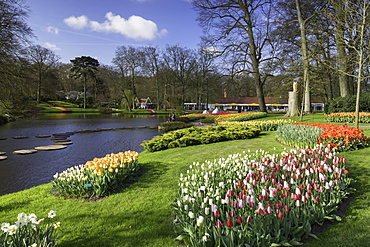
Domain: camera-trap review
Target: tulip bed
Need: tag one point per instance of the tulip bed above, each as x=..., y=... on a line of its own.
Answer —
x=347, y=117
x=97, y=178
x=344, y=137
x=28, y=232
x=259, y=199
x=244, y=116
x=227, y=116
x=264, y=125
x=197, y=116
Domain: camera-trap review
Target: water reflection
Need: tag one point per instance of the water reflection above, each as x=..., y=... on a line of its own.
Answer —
x=20, y=172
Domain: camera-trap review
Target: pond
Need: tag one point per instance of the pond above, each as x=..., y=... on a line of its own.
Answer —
x=107, y=134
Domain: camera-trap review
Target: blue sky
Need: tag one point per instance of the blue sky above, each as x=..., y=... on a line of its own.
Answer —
x=95, y=28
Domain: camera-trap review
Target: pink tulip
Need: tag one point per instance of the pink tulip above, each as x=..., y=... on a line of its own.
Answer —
x=219, y=223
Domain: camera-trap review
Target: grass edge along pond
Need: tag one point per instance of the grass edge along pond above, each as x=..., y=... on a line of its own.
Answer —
x=141, y=215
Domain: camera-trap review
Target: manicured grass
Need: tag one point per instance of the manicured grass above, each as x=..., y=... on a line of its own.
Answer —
x=141, y=215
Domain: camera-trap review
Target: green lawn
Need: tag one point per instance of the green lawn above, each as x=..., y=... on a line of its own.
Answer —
x=141, y=215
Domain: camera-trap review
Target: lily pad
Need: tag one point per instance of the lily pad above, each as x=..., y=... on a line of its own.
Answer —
x=20, y=137
x=50, y=147
x=43, y=136
x=25, y=151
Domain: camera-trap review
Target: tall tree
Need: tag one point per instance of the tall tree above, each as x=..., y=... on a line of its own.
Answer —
x=240, y=26
x=358, y=40
x=14, y=35
x=43, y=59
x=182, y=63
x=129, y=60
x=340, y=16
x=14, y=31
x=151, y=65
x=83, y=67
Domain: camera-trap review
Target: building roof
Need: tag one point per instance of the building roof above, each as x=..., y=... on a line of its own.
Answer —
x=254, y=100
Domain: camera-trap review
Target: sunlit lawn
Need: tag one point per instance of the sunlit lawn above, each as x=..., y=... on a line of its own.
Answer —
x=141, y=215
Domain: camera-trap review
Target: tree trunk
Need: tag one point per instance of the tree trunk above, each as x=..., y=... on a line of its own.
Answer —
x=84, y=91
x=254, y=56
x=342, y=55
x=293, y=102
x=306, y=79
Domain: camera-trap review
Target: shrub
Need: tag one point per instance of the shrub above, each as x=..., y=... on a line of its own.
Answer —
x=259, y=199
x=28, y=232
x=348, y=104
x=167, y=126
x=97, y=178
x=196, y=135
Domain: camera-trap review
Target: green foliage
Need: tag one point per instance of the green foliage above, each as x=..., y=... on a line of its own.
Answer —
x=5, y=119
x=301, y=136
x=167, y=126
x=348, y=104
x=182, y=119
x=208, y=120
x=195, y=135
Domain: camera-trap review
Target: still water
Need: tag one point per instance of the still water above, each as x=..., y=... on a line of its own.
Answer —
x=19, y=172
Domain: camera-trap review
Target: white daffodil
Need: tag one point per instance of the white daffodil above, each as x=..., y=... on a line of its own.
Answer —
x=52, y=214
x=5, y=227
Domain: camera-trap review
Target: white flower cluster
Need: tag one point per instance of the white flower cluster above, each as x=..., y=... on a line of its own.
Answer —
x=72, y=173
x=26, y=220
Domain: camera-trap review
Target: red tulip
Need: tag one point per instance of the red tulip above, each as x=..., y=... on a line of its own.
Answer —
x=229, y=222
x=239, y=220
x=217, y=213
x=280, y=215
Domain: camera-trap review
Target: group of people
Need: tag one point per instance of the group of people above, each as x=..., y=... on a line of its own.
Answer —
x=171, y=117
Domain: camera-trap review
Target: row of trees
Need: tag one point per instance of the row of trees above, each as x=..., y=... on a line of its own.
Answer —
x=250, y=48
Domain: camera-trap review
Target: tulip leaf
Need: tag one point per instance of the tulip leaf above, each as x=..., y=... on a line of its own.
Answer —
x=275, y=245
x=294, y=242
x=180, y=237
x=314, y=236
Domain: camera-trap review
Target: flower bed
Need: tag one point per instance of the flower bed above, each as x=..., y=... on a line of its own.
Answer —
x=244, y=116
x=197, y=116
x=347, y=117
x=28, y=232
x=259, y=199
x=195, y=136
x=266, y=125
x=344, y=137
x=97, y=178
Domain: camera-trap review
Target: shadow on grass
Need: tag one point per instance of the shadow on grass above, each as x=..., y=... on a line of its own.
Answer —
x=124, y=230
x=14, y=204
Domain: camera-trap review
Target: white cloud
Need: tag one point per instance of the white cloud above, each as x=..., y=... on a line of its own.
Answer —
x=53, y=30
x=77, y=22
x=135, y=27
x=52, y=46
